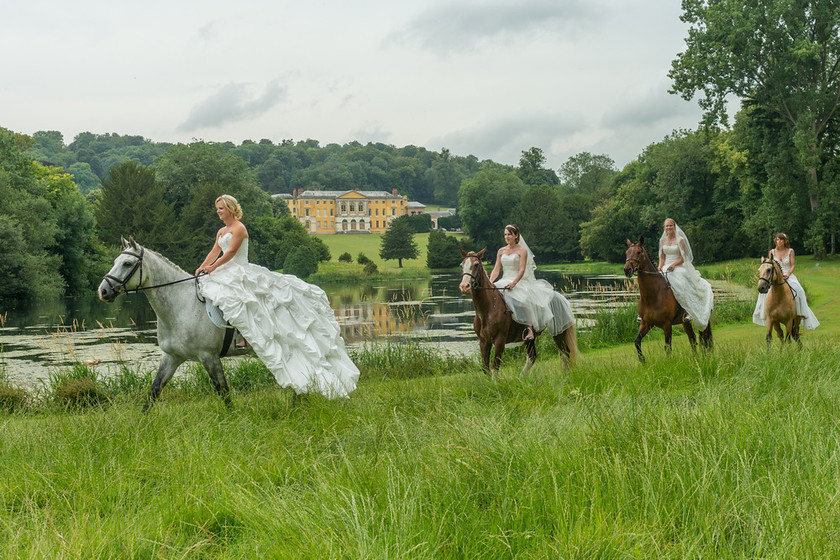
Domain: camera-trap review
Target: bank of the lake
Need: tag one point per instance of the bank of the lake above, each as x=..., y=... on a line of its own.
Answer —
x=727, y=454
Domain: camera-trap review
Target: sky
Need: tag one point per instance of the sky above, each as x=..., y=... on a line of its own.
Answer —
x=485, y=78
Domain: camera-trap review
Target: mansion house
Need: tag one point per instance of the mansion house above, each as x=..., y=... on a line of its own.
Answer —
x=354, y=211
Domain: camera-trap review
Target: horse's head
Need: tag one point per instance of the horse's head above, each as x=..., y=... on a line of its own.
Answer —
x=635, y=255
x=767, y=274
x=471, y=270
x=126, y=274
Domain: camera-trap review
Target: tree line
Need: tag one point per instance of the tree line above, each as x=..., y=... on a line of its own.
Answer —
x=730, y=187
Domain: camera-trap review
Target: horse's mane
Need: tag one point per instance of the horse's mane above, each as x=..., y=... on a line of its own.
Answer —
x=165, y=260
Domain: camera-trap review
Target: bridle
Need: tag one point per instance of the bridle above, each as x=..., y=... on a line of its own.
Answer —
x=637, y=264
x=474, y=285
x=120, y=284
x=773, y=276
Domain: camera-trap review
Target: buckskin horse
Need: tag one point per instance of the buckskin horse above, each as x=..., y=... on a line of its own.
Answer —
x=494, y=324
x=657, y=305
x=780, y=305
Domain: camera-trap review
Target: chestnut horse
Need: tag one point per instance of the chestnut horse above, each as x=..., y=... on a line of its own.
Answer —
x=657, y=305
x=780, y=305
x=494, y=324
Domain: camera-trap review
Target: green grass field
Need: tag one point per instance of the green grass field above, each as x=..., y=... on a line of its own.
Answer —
x=733, y=453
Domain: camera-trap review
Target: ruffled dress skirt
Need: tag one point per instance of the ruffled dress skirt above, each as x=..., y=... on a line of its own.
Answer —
x=289, y=324
x=535, y=303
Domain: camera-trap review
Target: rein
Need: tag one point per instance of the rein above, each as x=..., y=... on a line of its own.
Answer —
x=773, y=275
x=118, y=284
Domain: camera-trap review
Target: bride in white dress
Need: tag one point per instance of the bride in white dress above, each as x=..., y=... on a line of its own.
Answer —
x=288, y=322
x=532, y=301
x=692, y=292
x=786, y=258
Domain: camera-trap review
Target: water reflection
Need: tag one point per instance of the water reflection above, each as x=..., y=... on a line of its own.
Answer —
x=36, y=340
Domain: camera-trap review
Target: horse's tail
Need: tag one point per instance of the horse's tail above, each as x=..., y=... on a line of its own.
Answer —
x=569, y=341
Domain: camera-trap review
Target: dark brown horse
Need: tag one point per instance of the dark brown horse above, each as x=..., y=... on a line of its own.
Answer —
x=494, y=324
x=780, y=305
x=657, y=305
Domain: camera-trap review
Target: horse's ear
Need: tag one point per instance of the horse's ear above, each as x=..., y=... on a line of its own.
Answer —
x=463, y=253
x=132, y=242
x=628, y=242
x=124, y=242
x=481, y=254
x=642, y=241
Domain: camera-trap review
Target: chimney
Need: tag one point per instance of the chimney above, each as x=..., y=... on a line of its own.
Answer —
x=394, y=191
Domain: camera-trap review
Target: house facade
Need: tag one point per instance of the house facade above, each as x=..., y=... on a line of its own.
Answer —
x=356, y=211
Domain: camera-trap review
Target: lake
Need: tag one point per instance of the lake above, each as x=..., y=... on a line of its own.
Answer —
x=37, y=340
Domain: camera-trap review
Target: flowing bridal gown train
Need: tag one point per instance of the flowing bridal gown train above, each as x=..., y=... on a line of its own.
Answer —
x=288, y=322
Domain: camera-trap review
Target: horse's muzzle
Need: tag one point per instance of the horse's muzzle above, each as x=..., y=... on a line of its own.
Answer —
x=629, y=270
x=106, y=293
x=465, y=287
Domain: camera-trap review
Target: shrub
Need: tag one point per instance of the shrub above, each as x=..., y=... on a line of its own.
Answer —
x=12, y=398
x=78, y=393
x=301, y=262
x=363, y=259
x=371, y=268
x=345, y=258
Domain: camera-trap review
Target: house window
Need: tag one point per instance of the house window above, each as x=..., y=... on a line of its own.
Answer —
x=343, y=208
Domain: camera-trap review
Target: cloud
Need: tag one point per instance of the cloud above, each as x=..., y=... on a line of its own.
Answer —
x=505, y=139
x=451, y=27
x=231, y=103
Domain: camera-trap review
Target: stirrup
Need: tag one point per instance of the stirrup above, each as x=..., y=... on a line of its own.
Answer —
x=526, y=332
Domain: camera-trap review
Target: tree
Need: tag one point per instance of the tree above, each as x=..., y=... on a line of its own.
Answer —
x=442, y=251
x=780, y=55
x=301, y=262
x=588, y=174
x=398, y=242
x=28, y=226
x=132, y=204
x=532, y=169
x=550, y=233
x=486, y=203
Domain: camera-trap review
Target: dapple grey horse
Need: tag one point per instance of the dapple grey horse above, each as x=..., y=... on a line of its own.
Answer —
x=184, y=330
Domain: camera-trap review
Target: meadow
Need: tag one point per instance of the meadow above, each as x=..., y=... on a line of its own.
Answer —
x=733, y=453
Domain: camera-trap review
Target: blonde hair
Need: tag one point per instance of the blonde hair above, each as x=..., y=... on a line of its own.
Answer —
x=231, y=204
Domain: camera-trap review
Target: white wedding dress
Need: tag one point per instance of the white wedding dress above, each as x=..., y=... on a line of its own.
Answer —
x=288, y=322
x=533, y=301
x=693, y=293
x=809, y=320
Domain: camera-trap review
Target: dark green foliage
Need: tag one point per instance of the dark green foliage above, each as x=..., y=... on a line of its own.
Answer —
x=420, y=223
x=132, y=204
x=442, y=251
x=273, y=238
x=345, y=257
x=449, y=222
x=545, y=224
x=29, y=265
x=487, y=203
x=301, y=262
x=370, y=268
x=398, y=241
x=362, y=259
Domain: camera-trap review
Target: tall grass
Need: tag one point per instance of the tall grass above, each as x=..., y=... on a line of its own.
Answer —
x=731, y=454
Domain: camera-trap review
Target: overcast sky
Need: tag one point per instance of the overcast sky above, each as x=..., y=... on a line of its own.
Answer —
x=488, y=78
